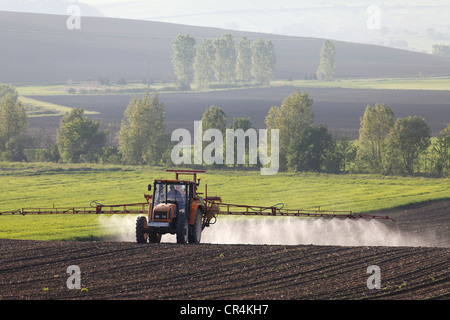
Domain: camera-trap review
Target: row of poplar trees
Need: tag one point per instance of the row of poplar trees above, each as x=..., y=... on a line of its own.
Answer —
x=222, y=60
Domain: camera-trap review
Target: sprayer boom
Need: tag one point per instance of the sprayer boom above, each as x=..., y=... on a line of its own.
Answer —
x=218, y=208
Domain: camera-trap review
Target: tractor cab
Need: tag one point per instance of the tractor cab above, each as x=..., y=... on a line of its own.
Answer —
x=171, y=192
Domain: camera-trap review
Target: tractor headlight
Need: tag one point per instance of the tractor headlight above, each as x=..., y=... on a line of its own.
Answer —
x=160, y=215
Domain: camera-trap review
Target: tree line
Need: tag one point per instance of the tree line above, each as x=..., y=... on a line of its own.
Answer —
x=441, y=50
x=223, y=60
x=384, y=146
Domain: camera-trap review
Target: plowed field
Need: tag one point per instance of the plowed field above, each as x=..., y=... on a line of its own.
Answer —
x=120, y=270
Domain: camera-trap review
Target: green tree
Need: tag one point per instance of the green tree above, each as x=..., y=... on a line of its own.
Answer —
x=327, y=63
x=224, y=59
x=376, y=125
x=202, y=64
x=317, y=149
x=142, y=137
x=215, y=118
x=244, y=60
x=13, y=125
x=407, y=140
x=78, y=138
x=241, y=123
x=441, y=148
x=346, y=150
x=183, y=52
x=7, y=89
x=263, y=60
x=294, y=120
x=244, y=124
x=441, y=50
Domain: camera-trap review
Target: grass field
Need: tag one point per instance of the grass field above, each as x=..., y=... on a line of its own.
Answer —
x=83, y=88
x=37, y=108
x=418, y=83
x=28, y=185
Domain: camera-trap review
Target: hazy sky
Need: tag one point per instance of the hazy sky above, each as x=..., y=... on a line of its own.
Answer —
x=280, y=16
x=373, y=21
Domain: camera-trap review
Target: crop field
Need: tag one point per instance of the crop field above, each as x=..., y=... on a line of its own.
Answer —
x=112, y=268
x=31, y=185
x=37, y=184
x=418, y=83
x=339, y=109
x=37, y=270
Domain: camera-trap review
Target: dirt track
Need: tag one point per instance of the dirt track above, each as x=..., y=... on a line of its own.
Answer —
x=111, y=270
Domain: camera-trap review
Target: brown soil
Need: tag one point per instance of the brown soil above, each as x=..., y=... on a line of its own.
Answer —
x=111, y=270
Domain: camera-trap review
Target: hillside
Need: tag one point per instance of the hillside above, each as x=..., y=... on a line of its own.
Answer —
x=40, y=48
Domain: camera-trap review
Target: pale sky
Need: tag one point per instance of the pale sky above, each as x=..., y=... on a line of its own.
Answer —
x=277, y=15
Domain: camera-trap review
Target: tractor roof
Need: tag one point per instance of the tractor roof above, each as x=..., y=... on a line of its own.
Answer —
x=173, y=181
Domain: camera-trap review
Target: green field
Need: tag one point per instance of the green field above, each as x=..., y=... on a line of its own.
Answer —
x=408, y=83
x=84, y=88
x=28, y=185
x=37, y=108
x=418, y=83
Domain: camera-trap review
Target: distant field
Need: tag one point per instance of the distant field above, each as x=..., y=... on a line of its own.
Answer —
x=417, y=83
x=38, y=108
x=339, y=109
x=45, y=185
x=86, y=88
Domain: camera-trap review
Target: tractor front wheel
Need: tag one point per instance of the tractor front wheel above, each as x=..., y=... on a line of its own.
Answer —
x=141, y=230
x=195, y=230
x=182, y=229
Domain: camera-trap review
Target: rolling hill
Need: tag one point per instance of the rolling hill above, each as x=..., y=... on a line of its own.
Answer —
x=39, y=48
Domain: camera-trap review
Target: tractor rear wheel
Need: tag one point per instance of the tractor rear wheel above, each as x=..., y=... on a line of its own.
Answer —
x=141, y=230
x=195, y=230
x=182, y=228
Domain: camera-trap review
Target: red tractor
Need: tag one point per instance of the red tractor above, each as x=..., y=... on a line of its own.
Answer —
x=176, y=208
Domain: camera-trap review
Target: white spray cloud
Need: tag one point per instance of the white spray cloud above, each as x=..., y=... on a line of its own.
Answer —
x=296, y=231
x=121, y=227
x=284, y=231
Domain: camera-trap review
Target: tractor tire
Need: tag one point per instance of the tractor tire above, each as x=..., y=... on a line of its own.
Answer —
x=153, y=236
x=195, y=230
x=141, y=230
x=182, y=229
